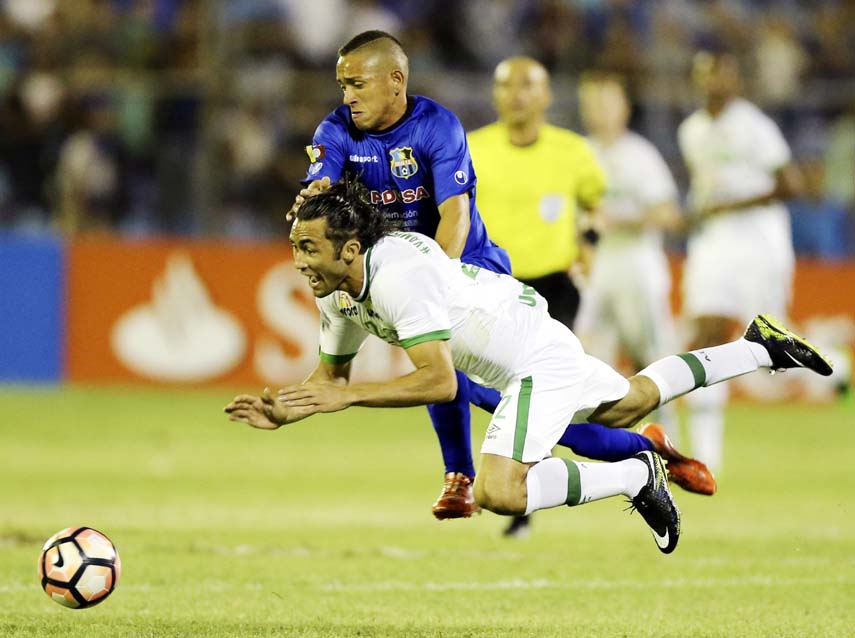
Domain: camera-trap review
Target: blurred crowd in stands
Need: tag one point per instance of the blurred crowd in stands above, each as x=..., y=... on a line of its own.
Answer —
x=190, y=117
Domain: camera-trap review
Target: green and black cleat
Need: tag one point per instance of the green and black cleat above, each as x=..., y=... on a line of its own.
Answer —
x=786, y=349
x=656, y=505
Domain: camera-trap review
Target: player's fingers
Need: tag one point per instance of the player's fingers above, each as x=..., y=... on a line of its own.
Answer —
x=239, y=415
x=235, y=405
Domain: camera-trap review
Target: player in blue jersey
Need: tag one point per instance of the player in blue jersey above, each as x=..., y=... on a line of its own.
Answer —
x=412, y=154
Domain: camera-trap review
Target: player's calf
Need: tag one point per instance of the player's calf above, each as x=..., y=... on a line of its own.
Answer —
x=501, y=485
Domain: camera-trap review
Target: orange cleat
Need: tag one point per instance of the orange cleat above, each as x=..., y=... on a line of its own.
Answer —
x=690, y=474
x=456, y=500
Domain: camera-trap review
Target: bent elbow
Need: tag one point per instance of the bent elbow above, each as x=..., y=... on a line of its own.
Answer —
x=446, y=389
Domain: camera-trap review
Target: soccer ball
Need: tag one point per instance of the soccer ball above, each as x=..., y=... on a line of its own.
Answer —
x=79, y=567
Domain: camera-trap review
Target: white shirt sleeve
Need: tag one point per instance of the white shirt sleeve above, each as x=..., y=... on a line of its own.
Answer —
x=772, y=149
x=412, y=299
x=340, y=338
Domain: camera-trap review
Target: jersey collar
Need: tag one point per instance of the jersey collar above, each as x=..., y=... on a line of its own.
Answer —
x=366, y=277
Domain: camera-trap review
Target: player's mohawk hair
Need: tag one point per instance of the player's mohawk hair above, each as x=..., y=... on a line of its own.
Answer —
x=347, y=207
x=366, y=37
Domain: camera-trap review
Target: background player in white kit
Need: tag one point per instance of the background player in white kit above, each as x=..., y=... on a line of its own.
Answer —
x=740, y=256
x=402, y=288
x=626, y=302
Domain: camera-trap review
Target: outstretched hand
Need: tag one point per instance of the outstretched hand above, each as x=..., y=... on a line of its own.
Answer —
x=315, y=187
x=264, y=412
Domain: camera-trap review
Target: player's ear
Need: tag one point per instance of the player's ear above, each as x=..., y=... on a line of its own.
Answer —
x=398, y=80
x=350, y=250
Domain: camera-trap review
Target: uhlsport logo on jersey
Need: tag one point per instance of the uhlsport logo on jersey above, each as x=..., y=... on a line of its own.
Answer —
x=403, y=162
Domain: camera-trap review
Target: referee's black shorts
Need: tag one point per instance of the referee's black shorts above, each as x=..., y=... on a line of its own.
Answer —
x=560, y=293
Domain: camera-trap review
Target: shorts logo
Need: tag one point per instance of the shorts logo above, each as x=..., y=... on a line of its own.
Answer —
x=316, y=152
x=403, y=162
x=461, y=177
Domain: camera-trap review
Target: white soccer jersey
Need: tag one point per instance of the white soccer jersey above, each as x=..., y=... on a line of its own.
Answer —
x=414, y=293
x=739, y=263
x=731, y=157
x=638, y=179
x=500, y=333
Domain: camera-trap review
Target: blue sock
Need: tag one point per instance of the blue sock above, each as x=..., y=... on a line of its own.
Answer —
x=484, y=398
x=603, y=443
x=451, y=423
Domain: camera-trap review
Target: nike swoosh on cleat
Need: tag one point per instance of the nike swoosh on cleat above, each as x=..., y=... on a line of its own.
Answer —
x=794, y=360
x=661, y=541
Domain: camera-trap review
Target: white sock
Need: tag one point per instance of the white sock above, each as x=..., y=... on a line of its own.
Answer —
x=679, y=374
x=601, y=480
x=557, y=481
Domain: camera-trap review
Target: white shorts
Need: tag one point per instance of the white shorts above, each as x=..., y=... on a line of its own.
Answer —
x=736, y=279
x=627, y=303
x=561, y=385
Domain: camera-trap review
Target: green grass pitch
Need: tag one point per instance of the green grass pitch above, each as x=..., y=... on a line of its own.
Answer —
x=324, y=529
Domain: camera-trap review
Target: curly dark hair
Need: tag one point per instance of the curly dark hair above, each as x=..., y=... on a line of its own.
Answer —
x=347, y=207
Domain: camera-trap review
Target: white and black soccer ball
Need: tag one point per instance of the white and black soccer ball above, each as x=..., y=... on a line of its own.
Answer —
x=79, y=567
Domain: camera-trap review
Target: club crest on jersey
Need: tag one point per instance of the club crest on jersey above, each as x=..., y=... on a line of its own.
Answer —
x=344, y=300
x=316, y=152
x=403, y=162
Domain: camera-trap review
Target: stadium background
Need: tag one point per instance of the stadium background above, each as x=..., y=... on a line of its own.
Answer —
x=147, y=151
x=140, y=120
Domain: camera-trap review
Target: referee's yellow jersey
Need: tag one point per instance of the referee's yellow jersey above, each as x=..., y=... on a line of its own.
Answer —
x=527, y=195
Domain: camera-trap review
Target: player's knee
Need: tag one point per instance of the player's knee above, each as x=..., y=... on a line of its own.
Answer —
x=641, y=400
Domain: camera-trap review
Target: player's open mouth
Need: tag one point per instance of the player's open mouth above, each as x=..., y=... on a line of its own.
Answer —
x=314, y=281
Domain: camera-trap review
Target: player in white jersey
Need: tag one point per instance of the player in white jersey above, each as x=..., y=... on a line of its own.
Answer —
x=740, y=257
x=626, y=302
x=403, y=288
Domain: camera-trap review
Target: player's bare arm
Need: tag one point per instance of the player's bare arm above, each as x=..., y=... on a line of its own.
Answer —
x=313, y=188
x=588, y=228
x=433, y=381
x=788, y=184
x=453, y=228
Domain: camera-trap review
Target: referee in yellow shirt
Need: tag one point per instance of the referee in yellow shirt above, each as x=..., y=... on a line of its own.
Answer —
x=533, y=181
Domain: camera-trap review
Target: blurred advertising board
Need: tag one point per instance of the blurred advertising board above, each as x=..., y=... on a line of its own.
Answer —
x=194, y=312
x=107, y=310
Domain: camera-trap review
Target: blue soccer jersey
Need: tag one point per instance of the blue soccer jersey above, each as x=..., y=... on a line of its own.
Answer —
x=410, y=169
